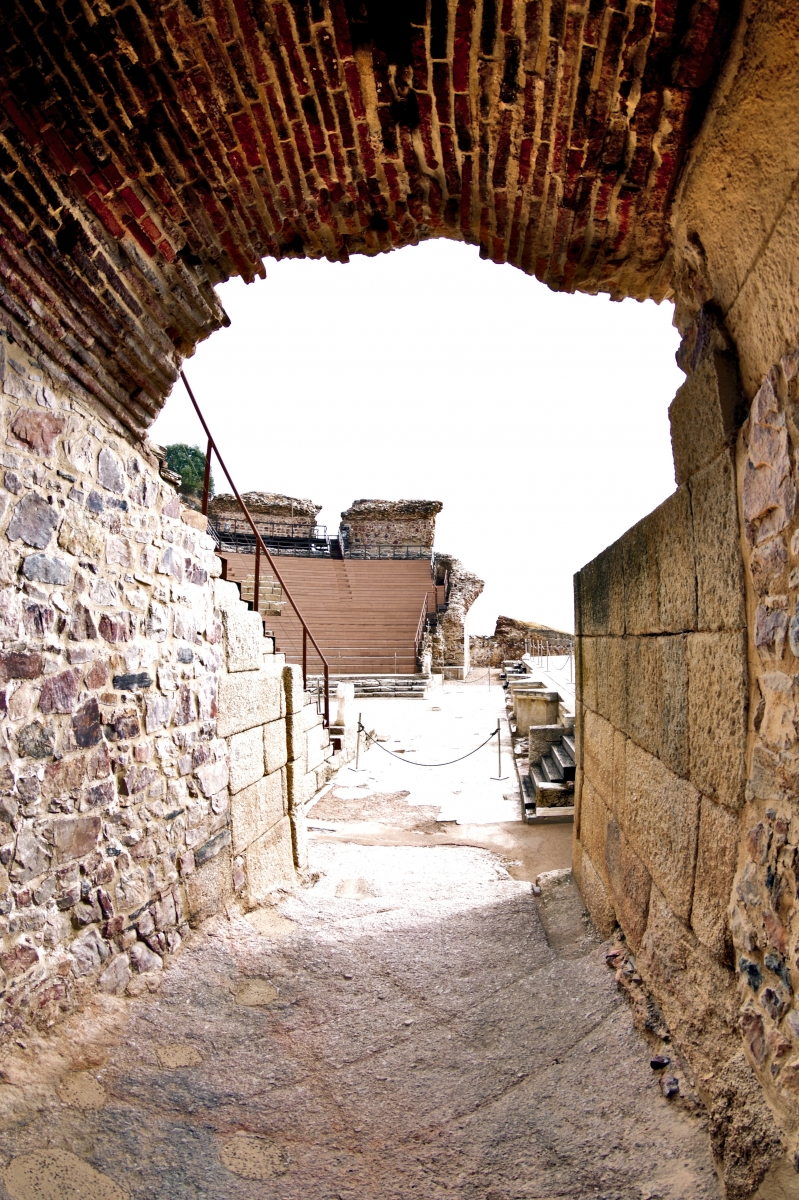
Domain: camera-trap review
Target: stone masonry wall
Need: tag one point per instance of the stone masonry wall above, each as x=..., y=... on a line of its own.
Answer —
x=154, y=759
x=391, y=522
x=662, y=718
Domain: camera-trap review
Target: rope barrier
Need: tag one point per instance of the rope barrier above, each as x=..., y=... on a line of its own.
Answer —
x=411, y=762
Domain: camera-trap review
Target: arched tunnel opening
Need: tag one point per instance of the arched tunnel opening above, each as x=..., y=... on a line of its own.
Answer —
x=190, y=1004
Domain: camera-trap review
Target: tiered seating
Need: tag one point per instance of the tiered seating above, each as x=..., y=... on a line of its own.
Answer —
x=364, y=614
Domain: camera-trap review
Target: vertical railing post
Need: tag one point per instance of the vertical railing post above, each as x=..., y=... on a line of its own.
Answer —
x=327, y=695
x=304, y=656
x=207, y=477
x=257, y=589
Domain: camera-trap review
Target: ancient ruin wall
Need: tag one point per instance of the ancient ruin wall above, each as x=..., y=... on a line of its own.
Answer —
x=449, y=645
x=156, y=757
x=391, y=523
x=266, y=506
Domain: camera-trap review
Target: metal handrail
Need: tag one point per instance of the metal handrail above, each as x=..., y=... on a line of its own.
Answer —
x=260, y=546
x=420, y=627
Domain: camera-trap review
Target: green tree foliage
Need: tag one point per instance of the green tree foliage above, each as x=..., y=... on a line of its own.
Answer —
x=189, y=463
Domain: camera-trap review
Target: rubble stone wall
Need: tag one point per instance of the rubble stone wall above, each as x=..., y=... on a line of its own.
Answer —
x=448, y=645
x=391, y=522
x=155, y=758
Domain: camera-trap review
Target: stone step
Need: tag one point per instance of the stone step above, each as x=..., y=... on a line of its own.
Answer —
x=563, y=759
x=550, y=770
x=568, y=742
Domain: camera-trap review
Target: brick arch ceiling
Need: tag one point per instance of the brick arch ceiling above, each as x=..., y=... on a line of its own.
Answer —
x=150, y=149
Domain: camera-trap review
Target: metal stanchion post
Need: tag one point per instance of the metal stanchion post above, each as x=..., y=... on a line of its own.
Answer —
x=499, y=774
x=357, y=766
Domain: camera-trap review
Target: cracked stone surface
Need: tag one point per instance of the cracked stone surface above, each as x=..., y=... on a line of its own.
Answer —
x=407, y=1026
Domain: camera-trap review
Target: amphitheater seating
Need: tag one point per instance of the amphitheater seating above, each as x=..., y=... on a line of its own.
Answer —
x=364, y=614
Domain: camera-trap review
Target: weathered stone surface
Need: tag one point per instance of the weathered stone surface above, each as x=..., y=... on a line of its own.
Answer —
x=641, y=584
x=275, y=748
x=31, y=856
x=34, y=522
x=81, y=625
x=659, y=818
x=159, y=712
x=717, y=857
x=766, y=565
x=43, y=568
x=593, y=829
x=598, y=755
x=212, y=777
x=246, y=699
x=593, y=892
x=644, y=723
x=246, y=758
x=769, y=491
x=59, y=692
x=117, y=627
x=116, y=976
x=671, y=530
x=87, y=724
x=20, y=664
x=301, y=785
x=293, y=688
x=210, y=849
x=706, y=413
x=110, y=472
x=673, y=743
x=717, y=710
x=138, y=681
x=74, y=837
x=244, y=639
x=36, y=740
x=37, y=430
x=255, y=810
x=142, y=959
x=269, y=862
x=629, y=884
x=719, y=567
x=210, y=886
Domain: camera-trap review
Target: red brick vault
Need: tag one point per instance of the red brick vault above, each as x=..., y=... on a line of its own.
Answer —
x=150, y=150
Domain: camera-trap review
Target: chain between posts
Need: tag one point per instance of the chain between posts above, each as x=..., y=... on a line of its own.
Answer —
x=261, y=546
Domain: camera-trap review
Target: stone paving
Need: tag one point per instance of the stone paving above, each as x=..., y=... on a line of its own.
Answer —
x=411, y=1023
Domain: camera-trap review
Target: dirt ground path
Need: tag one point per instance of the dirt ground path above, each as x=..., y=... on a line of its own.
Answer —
x=413, y=1023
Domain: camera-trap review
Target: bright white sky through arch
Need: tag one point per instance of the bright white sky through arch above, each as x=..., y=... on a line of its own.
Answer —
x=539, y=419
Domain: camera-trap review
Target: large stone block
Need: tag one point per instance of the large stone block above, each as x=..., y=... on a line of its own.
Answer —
x=594, y=818
x=246, y=758
x=275, y=747
x=593, y=892
x=629, y=883
x=716, y=861
x=246, y=699
x=717, y=711
x=269, y=862
x=256, y=809
x=705, y=414
x=318, y=746
x=586, y=671
x=659, y=817
x=598, y=754
x=673, y=703
x=613, y=684
x=599, y=594
x=672, y=529
x=641, y=607
x=719, y=566
x=644, y=692
x=244, y=639
x=301, y=784
x=293, y=688
x=299, y=839
x=208, y=889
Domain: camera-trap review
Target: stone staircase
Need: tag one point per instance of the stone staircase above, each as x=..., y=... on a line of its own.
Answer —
x=552, y=772
x=387, y=686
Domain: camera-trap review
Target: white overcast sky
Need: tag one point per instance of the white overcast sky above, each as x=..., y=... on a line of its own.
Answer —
x=539, y=419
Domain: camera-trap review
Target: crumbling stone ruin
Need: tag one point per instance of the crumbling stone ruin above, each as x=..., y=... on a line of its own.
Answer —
x=512, y=639
x=646, y=150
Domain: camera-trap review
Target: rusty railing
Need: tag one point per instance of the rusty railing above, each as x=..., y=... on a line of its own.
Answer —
x=260, y=548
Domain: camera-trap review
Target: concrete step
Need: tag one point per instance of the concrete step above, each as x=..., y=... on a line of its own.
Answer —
x=568, y=742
